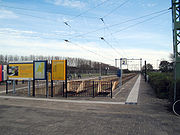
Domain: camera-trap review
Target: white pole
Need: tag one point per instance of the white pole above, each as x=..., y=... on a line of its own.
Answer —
x=29, y=87
x=121, y=71
x=14, y=89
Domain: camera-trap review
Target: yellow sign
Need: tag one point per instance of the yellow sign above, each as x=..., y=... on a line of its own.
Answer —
x=22, y=71
x=58, y=69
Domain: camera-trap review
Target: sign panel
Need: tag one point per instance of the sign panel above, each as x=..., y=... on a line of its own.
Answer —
x=40, y=69
x=1, y=79
x=124, y=61
x=22, y=71
x=58, y=69
x=119, y=73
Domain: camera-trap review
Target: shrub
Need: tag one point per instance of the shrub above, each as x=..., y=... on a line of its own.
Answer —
x=161, y=83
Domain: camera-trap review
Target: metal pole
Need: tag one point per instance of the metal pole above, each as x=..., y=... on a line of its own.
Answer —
x=6, y=86
x=176, y=36
x=66, y=78
x=63, y=89
x=29, y=87
x=100, y=71
x=121, y=72
x=51, y=88
x=141, y=65
x=145, y=72
x=47, y=90
x=14, y=89
x=111, y=89
x=33, y=88
x=93, y=89
x=115, y=62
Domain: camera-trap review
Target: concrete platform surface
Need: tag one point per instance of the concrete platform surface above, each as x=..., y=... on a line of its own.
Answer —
x=149, y=117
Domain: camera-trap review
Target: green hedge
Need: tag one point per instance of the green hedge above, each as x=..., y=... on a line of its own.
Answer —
x=163, y=85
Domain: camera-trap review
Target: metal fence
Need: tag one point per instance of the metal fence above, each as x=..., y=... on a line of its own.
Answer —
x=89, y=88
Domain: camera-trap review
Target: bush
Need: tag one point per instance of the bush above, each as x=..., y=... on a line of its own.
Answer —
x=161, y=83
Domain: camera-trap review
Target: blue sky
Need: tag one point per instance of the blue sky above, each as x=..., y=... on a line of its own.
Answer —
x=37, y=27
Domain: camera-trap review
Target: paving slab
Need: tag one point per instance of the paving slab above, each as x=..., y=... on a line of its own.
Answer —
x=119, y=95
x=149, y=117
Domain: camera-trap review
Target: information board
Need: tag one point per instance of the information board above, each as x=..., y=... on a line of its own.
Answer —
x=40, y=70
x=21, y=71
x=58, y=69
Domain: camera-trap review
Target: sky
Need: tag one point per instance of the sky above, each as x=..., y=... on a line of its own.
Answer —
x=98, y=30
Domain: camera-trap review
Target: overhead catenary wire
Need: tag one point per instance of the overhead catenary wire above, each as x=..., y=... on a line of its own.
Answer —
x=35, y=10
x=102, y=38
x=124, y=29
x=90, y=9
x=133, y=25
x=67, y=24
x=113, y=10
x=113, y=25
x=87, y=50
x=110, y=26
x=115, y=40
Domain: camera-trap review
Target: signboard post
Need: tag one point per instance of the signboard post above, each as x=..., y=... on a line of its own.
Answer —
x=29, y=87
x=14, y=88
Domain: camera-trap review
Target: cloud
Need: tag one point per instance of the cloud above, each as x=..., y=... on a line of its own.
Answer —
x=20, y=42
x=6, y=14
x=68, y=3
x=151, y=4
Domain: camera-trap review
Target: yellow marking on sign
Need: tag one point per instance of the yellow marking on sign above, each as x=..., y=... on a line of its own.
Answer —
x=58, y=69
x=21, y=71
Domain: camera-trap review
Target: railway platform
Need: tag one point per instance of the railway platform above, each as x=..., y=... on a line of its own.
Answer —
x=22, y=115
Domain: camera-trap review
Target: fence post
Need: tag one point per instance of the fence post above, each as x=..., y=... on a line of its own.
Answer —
x=63, y=89
x=14, y=87
x=6, y=86
x=47, y=86
x=111, y=89
x=93, y=89
x=51, y=88
x=33, y=87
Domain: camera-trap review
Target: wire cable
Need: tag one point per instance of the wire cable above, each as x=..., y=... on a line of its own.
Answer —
x=113, y=25
x=35, y=10
x=122, y=4
x=87, y=49
x=114, y=40
x=90, y=9
x=102, y=38
x=130, y=26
